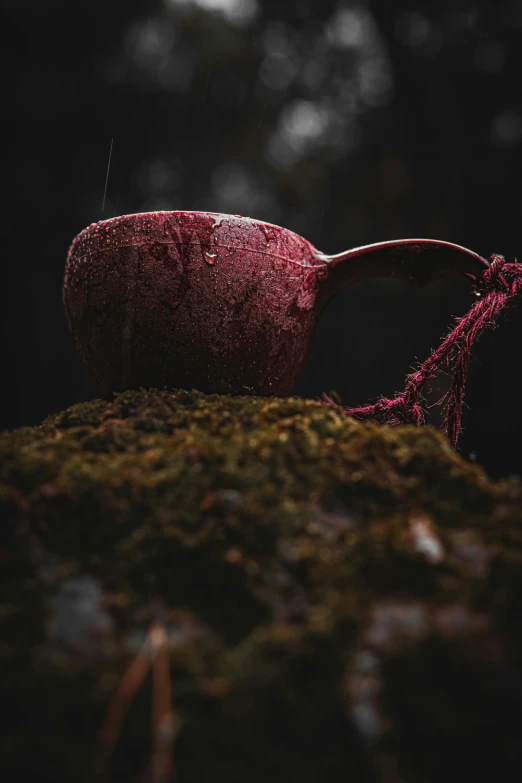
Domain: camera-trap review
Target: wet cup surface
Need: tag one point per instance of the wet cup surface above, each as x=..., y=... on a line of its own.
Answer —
x=220, y=303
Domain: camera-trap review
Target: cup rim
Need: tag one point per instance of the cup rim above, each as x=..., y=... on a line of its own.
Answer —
x=193, y=212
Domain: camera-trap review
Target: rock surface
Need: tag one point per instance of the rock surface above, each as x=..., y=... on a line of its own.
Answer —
x=341, y=601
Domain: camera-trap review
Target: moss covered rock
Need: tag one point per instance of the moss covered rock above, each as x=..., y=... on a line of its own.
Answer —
x=341, y=601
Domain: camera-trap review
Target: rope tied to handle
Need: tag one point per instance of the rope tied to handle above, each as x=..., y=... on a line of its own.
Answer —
x=498, y=287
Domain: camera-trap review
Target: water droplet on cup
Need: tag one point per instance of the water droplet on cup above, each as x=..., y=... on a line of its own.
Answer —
x=267, y=231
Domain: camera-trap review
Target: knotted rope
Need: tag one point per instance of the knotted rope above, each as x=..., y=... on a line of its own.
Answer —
x=498, y=287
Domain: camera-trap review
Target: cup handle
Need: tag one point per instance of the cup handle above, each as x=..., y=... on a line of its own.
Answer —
x=418, y=260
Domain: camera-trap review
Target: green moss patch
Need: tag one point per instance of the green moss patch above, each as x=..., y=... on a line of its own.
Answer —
x=335, y=594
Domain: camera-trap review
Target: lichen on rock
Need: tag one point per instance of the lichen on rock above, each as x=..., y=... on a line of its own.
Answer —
x=341, y=601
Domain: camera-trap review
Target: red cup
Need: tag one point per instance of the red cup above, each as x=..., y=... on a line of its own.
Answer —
x=219, y=303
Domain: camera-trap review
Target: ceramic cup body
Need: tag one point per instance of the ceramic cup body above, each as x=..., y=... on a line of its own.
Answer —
x=221, y=303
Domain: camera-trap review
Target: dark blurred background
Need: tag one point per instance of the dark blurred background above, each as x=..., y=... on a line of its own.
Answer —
x=348, y=122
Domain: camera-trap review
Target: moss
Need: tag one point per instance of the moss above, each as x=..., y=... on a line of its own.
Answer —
x=336, y=594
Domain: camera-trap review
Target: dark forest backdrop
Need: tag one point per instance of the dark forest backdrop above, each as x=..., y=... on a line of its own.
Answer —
x=348, y=122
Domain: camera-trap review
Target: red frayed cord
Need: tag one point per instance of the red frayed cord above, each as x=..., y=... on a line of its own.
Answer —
x=498, y=286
